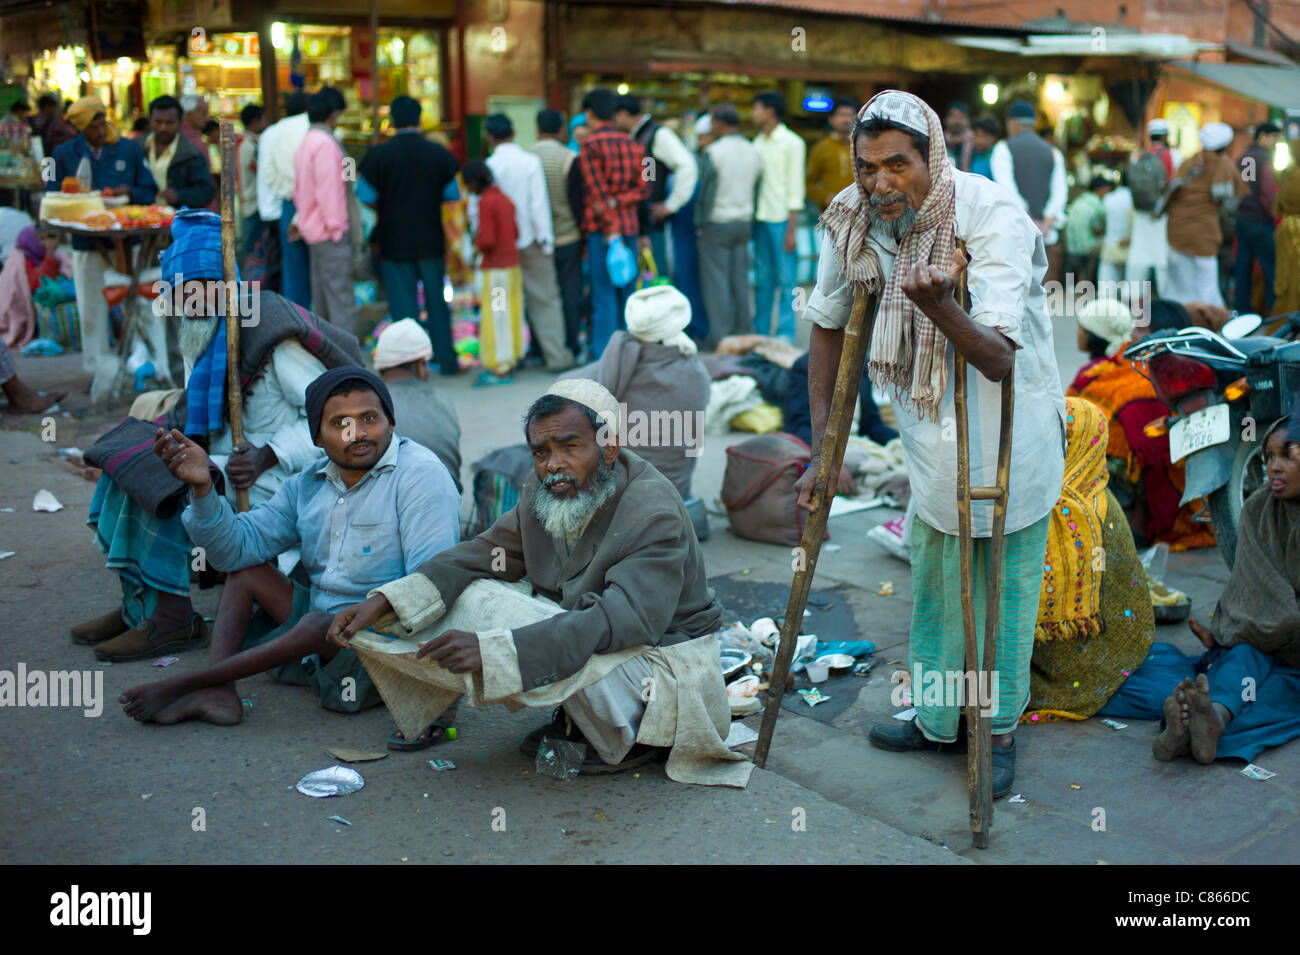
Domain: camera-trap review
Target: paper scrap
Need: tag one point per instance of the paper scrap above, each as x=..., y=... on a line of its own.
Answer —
x=848, y=505
x=355, y=755
x=886, y=588
x=907, y=714
x=45, y=501
x=247, y=703
x=441, y=765
x=831, y=548
x=739, y=735
x=7, y=553
x=6, y=510
x=1017, y=798
x=1257, y=772
x=340, y=818
x=1075, y=786
x=1115, y=724
x=166, y=661
x=813, y=697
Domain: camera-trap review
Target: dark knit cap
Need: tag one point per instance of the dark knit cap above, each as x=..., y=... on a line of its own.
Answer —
x=359, y=378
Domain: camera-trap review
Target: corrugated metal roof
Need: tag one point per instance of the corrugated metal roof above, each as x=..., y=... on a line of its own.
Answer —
x=1275, y=85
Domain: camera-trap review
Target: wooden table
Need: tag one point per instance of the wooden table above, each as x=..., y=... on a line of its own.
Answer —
x=136, y=256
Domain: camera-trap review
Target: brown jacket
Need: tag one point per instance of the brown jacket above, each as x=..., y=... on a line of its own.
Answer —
x=635, y=577
x=1193, y=210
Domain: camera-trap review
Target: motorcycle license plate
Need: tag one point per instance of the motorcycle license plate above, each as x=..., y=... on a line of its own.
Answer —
x=1199, y=430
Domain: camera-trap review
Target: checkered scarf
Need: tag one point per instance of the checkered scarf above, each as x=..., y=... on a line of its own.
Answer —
x=907, y=350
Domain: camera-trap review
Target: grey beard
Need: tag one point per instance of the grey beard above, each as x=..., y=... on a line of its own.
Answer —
x=561, y=517
x=196, y=335
x=894, y=229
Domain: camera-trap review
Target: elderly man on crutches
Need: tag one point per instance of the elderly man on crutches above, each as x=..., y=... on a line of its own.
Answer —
x=898, y=232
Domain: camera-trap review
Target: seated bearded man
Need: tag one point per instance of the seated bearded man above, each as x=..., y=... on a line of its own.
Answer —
x=617, y=621
x=376, y=507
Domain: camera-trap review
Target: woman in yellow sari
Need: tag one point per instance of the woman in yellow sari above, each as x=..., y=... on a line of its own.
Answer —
x=1095, y=622
x=1287, y=205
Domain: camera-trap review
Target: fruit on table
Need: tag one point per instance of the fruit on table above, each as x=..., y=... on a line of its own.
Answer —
x=70, y=184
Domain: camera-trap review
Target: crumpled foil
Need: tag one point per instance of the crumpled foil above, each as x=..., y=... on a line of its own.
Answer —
x=334, y=781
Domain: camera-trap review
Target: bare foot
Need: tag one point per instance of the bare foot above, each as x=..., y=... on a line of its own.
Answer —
x=1202, y=632
x=34, y=402
x=1203, y=723
x=146, y=701
x=212, y=704
x=1174, y=741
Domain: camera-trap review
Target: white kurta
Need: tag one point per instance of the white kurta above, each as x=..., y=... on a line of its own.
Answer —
x=1006, y=271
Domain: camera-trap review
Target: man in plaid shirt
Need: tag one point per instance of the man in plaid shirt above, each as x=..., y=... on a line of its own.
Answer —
x=614, y=182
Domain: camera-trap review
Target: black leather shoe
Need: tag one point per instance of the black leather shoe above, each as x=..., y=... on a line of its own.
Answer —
x=901, y=737
x=1004, y=769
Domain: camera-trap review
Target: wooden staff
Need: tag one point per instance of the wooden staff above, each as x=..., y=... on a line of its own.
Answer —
x=234, y=394
x=857, y=334
x=979, y=728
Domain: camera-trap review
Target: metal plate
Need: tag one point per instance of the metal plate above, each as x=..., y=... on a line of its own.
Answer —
x=1200, y=429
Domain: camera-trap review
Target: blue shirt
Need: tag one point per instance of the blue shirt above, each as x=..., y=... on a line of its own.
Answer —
x=981, y=164
x=119, y=164
x=403, y=511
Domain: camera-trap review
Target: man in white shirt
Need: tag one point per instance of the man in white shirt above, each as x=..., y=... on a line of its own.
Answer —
x=673, y=177
x=254, y=119
x=897, y=233
x=1117, y=205
x=1149, y=240
x=730, y=167
x=276, y=148
x=780, y=201
x=518, y=173
x=1034, y=170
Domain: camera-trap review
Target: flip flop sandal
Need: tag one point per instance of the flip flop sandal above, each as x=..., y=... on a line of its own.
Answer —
x=403, y=745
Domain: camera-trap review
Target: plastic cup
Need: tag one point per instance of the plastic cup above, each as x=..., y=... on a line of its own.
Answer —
x=818, y=672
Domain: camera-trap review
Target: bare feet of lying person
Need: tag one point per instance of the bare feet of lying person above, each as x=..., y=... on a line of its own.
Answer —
x=1202, y=632
x=1205, y=721
x=165, y=703
x=1175, y=740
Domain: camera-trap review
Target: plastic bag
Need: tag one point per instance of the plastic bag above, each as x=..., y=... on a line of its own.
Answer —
x=619, y=263
x=560, y=758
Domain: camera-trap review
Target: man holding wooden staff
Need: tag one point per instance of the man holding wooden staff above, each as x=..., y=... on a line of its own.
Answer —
x=896, y=233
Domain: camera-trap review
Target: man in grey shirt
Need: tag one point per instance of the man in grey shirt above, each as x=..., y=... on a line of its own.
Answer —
x=402, y=360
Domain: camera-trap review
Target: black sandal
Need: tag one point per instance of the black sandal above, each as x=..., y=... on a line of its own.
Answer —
x=437, y=732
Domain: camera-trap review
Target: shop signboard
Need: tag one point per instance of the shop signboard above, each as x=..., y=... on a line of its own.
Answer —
x=188, y=15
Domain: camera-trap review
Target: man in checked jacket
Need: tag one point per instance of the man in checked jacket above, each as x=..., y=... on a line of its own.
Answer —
x=614, y=182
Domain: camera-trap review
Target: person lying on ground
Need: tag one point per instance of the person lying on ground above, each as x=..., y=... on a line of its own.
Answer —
x=138, y=529
x=1242, y=696
x=377, y=507
x=614, y=568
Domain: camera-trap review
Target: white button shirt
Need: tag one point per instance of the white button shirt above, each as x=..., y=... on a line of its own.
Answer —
x=275, y=151
x=1005, y=279
x=519, y=174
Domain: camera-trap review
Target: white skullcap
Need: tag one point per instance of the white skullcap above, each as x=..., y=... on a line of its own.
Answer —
x=660, y=313
x=402, y=342
x=899, y=109
x=589, y=394
x=1109, y=320
x=1215, y=136
x=1158, y=127
x=704, y=125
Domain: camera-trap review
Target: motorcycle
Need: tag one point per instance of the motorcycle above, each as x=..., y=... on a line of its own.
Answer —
x=1225, y=391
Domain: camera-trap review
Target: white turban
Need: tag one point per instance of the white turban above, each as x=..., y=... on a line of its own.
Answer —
x=1158, y=127
x=589, y=394
x=402, y=342
x=660, y=313
x=1215, y=136
x=1109, y=320
x=704, y=125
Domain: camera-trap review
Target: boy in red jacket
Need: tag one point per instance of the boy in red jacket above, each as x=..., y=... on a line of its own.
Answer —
x=501, y=322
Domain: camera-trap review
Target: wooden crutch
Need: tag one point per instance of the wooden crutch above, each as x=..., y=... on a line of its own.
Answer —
x=857, y=335
x=979, y=752
x=234, y=394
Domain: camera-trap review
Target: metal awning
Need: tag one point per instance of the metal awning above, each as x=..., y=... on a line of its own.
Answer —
x=1107, y=43
x=1275, y=85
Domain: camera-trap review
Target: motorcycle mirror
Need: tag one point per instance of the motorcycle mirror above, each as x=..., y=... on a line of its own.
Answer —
x=1241, y=326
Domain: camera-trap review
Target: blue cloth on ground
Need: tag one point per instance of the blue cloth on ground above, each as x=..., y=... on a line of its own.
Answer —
x=858, y=649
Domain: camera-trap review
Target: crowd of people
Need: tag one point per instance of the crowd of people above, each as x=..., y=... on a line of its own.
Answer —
x=595, y=580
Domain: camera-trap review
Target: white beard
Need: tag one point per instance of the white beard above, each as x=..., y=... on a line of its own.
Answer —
x=563, y=516
x=196, y=335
